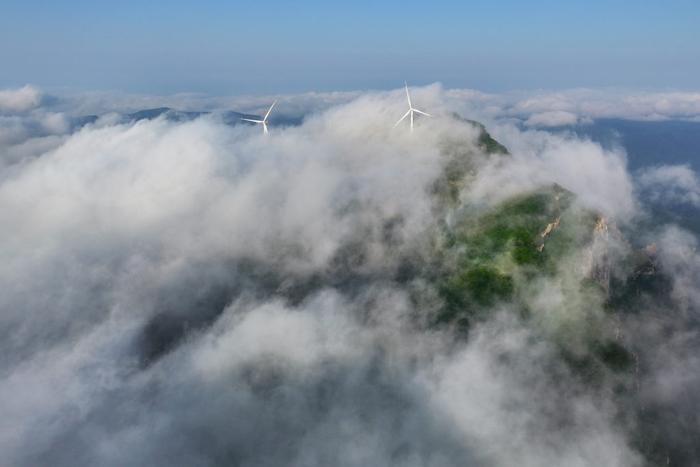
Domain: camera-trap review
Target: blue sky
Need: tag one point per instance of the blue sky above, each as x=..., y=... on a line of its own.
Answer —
x=272, y=46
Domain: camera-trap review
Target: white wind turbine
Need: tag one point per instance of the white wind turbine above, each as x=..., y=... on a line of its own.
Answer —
x=264, y=120
x=411, y=110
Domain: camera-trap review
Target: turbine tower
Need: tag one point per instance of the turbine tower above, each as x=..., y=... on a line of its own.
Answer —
x=411, y=110
x=264, y=120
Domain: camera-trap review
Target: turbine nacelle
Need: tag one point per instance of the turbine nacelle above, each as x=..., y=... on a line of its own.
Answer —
x=411, y=110
x=264, y=120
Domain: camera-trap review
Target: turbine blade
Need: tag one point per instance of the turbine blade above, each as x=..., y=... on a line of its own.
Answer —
x=265, y=127
x=251, y=120
x=422, y=113
x=408, y=96
x=269, y=110
x=402, y=118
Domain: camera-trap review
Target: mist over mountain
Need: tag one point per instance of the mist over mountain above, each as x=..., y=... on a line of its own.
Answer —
x=180, y=289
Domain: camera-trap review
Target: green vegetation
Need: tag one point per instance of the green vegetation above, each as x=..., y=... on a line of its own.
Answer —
x=504, y=254
x=485, y=141
x=490, y=145
x=494, y=251
x=461, y=158
x=482, y=286
x=566, y=271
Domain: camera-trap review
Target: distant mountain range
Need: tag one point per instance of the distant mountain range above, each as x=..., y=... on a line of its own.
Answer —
x=228, y=117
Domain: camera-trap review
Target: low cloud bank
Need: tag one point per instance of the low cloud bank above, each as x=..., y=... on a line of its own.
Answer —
x=671, y=184
x=552, y=119
x=568, y=107
x=192, y=293
x=19, y=100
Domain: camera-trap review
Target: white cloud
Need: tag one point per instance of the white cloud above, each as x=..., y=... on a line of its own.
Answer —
x=192, y=293
x=585, y=104
x=613, y=103
x=552, y=119
x=597, y=176
x=682, y=261
x=671, y=183
x=19, y=100
x=545, y=108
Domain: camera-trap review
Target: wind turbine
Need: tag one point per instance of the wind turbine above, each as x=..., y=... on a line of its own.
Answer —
x=411, y=110
x=264, y=120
